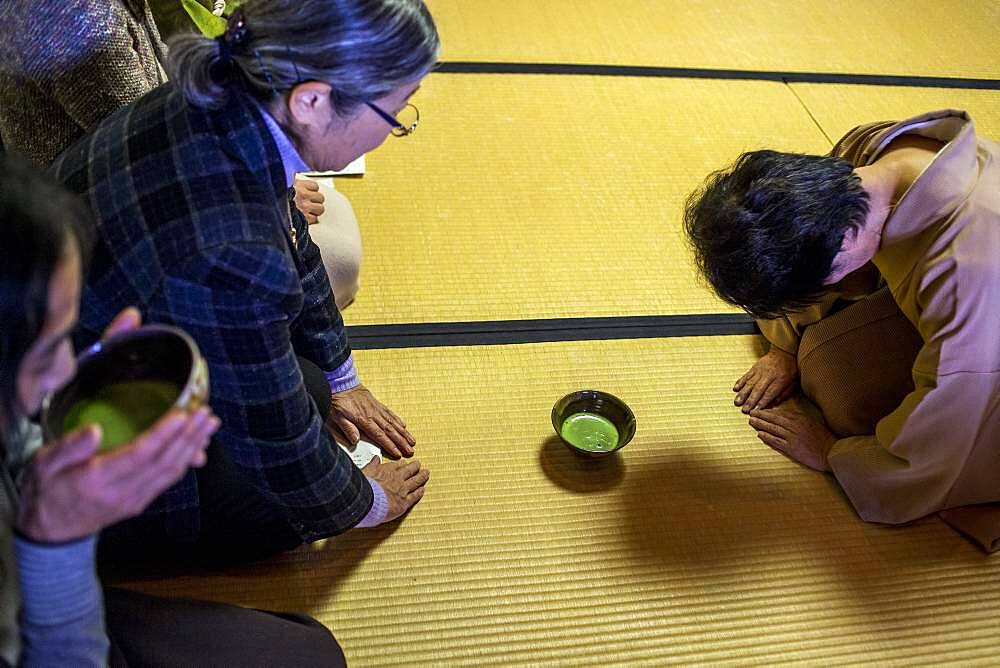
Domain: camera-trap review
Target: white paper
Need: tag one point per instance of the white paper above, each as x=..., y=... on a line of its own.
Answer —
x=356, y=168
x=361, y=453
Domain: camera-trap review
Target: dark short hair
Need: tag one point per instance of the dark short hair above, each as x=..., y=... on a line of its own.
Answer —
x=765, y=231
x=37, y=219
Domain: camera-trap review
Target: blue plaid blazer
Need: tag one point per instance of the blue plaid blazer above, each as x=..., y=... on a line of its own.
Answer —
x=191, y=224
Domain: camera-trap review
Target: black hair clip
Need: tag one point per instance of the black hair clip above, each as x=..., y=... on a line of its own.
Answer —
x=235, y=35
x=237, y=32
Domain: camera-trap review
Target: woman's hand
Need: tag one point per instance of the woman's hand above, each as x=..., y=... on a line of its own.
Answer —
x=768, y=382
x=357, y=411
x=309, y=200
x=796, y=435
x=71, y=492
x=129, y=318
x=402, y=482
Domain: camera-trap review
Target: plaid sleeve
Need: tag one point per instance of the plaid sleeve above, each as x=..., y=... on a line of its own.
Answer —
x=270, y=426
x=318, y=334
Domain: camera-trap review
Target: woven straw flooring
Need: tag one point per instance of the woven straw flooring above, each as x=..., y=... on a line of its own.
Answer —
x=694, y=545
x=556, y=196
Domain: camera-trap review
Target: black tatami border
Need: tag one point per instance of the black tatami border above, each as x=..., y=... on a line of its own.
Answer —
x=505, y=332
x=469, y=67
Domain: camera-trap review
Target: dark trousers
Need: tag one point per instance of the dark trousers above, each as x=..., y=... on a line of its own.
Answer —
x=152, y=631
x=238, y=524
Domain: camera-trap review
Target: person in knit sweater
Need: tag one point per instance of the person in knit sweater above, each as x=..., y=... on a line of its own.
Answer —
x=66, y=66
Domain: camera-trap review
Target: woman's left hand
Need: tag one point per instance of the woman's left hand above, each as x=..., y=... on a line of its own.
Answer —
x=309, y=200
x=129, y=318
x=356, y=411
x=795, y=435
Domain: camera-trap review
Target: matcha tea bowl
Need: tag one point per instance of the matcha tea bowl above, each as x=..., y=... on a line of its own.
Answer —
x=127, y=383
x=593, y=423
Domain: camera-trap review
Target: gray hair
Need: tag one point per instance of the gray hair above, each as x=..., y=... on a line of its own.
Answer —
x=364, y=49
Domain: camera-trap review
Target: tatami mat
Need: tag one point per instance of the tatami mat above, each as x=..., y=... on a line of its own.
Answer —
x=921, y=37
x=551, y=196
x=695, y=545
x=839, y=108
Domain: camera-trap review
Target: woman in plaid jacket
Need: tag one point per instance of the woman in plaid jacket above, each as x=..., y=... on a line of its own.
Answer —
x=190, y=187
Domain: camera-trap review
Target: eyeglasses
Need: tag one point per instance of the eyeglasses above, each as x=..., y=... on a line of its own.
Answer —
x=406, y=124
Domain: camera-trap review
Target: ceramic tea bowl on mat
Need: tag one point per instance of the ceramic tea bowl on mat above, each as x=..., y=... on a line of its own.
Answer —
x=593, y=423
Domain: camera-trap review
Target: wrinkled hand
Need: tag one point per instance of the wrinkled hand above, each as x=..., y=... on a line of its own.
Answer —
x=71, y=492
x=795, y=434
x=402, y=482
x=768, y=382
x=309, y=200
x=357, y=411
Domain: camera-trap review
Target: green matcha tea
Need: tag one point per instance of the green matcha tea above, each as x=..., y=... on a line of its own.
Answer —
x=590, y=432
x=124, y=410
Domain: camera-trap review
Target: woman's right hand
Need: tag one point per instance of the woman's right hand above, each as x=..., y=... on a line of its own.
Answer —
x=71, y=491
x=402, y=482
x=768, y=382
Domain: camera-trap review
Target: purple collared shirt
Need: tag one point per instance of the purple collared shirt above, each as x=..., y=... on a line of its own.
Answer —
x=345, y=376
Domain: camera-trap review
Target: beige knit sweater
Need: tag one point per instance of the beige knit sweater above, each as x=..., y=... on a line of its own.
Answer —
x=65, y=65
